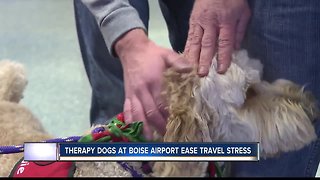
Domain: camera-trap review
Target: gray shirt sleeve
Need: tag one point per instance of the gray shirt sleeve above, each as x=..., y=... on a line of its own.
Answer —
x=114, y=17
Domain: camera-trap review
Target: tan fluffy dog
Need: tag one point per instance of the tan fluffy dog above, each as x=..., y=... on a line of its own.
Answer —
x=234, y=107
x=17, y=123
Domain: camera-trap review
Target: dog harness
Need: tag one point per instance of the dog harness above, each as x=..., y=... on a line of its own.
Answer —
x=115, y=131
x=43, y=169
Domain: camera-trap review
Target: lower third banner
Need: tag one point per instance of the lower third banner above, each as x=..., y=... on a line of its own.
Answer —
x=158, y=152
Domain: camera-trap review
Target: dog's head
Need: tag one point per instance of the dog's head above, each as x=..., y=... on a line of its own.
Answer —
x=194, y=101
x=231, y=87
x=12, y=81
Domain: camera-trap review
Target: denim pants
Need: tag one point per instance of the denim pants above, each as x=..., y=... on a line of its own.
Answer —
x=283, y=34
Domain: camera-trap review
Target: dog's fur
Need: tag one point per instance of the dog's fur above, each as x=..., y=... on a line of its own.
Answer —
x=234, y=107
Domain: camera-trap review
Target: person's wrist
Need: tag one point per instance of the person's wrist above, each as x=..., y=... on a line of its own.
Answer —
x=133, y=40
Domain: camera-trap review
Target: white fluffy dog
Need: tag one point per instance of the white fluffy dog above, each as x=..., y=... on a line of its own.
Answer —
x=236, y=107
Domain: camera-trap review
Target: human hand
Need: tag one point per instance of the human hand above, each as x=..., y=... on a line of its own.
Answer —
x=143, y=64
x=214, y=23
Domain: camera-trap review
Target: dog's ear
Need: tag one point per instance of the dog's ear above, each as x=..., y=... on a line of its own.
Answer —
x=12, y=81
x=182, y=124
x=298, y=94
x=179, y=94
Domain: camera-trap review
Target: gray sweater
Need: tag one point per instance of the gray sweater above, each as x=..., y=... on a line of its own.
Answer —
x=114, y=17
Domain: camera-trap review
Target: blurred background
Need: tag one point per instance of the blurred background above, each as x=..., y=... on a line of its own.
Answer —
x=41, y=35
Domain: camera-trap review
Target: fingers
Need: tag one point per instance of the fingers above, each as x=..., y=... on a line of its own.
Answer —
x=142, y=107
x=127, y=111
x=177, y=62
x=208, y=19
x=163, y=108
x=241, y=28
x=193, y=44
x=151, y=111
x=225, y=46
x=137, y=111
x=208, y=49
x=160, y=100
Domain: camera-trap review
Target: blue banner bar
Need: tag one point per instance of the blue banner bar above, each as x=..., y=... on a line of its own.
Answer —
x=159, y=151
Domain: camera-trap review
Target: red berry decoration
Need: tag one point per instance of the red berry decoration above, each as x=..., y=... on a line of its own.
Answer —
x=120, y=117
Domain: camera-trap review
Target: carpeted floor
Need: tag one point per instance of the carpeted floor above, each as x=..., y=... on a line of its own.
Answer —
x=41, y=35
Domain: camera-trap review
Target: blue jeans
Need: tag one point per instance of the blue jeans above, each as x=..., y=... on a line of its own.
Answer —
x=283, y=34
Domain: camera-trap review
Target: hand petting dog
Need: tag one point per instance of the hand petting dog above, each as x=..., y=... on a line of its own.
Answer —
x=143, y=64
x=216, y=27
